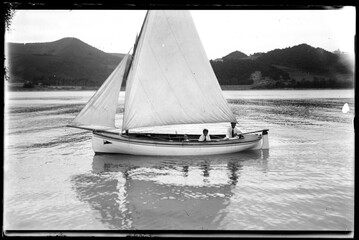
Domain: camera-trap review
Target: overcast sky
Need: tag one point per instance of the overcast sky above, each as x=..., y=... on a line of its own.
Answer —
x=221, y=31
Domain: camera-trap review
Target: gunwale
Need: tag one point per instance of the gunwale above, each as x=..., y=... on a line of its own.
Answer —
x=136, y=139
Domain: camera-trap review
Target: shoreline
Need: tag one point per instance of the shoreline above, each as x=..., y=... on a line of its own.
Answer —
x=42, y=89
x=50, y=89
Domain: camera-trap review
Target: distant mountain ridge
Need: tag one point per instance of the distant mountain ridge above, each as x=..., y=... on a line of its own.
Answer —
x=63, y=46
x=314, y=60
x=301, y=66
x=70, y=61
x=236, y=55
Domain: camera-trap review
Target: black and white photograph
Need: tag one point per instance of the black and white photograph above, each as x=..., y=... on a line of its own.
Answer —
x=179, y=122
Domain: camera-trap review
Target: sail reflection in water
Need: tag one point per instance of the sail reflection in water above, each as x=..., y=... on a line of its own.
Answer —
x=134, y=192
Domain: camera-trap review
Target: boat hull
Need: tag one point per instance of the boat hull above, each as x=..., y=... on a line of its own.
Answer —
x=114, y=143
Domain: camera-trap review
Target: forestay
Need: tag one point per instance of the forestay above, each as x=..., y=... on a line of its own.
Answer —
x=100, y=111
x=171, y=80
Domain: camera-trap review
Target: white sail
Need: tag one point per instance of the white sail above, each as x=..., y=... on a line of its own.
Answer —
x=100, y=111
x=171, y=80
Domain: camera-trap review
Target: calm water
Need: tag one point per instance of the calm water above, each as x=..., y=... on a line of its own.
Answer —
x=305, y=181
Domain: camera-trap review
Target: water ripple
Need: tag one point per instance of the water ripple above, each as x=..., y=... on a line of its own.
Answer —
x=305, y=181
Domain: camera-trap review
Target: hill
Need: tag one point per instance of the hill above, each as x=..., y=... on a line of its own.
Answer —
x=68, y=61
x=306, y=58
x=72, y=62
x=301, y=66
x=236, y=55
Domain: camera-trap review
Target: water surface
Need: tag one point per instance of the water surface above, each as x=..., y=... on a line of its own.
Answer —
x=305, y=181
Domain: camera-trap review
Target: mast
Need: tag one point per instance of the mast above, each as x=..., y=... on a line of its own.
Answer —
x=135, y=47
x=133, y=55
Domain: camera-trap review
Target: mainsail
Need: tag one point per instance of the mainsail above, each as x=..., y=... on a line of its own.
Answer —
x=171, y=80
x=100, y=111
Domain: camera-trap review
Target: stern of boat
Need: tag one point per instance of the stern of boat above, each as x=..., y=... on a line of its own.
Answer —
x=264, y=143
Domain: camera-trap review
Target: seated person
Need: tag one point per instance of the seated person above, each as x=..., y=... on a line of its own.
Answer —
x=233, y=132
x=204, y=137
x=185, y=138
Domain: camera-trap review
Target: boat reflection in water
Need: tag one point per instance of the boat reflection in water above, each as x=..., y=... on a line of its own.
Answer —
x=134, y=192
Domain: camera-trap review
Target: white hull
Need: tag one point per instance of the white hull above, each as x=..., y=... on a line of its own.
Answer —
x=114, y=143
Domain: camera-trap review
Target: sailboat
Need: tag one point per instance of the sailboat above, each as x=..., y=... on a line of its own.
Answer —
x=169, y=81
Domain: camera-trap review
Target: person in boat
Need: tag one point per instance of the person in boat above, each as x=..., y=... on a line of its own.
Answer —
x=185, y=138
x=205, y=136
x=233, y=132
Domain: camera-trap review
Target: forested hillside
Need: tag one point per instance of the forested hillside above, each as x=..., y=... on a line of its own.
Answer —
x=68, y=61
x=300, y=66
x=71, y=62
